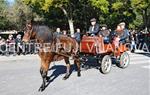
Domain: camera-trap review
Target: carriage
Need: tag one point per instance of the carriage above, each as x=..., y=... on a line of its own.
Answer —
x=105, y=53
x=94, y=46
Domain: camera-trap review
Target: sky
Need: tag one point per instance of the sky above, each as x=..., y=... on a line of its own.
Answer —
x=10, y=1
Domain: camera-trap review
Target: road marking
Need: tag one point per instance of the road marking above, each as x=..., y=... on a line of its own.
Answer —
x=147, y=67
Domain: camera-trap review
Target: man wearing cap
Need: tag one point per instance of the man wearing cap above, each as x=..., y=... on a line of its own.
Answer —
x=105, y=33
x=94, y=28
x=125, y=33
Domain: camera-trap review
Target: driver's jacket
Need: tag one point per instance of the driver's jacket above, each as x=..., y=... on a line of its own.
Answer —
x=94, y=29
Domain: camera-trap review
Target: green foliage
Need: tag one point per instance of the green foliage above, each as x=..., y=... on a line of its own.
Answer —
x=51, y=11
x=139, y=4
x=3, y=19
x=14, y=16
x=142, y=7
x=117, y=5
x=45, y=5
x=101, y=4
x=18, y=14
x=136, y=13
x=137, y=22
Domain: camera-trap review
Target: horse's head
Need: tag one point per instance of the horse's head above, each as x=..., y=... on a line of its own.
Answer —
x=29, y=34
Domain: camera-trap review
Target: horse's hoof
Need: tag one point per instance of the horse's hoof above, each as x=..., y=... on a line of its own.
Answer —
x=79, y=75
x=47, y=79
x=41, y=89
x=66, y=77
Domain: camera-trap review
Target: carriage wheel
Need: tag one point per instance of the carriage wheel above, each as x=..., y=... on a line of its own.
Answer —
x=124, y=60
x=106, y=64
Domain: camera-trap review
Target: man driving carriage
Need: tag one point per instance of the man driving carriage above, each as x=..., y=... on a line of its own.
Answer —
x=94, y=28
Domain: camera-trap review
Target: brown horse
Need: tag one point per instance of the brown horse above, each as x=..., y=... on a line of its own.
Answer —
x=62, y=46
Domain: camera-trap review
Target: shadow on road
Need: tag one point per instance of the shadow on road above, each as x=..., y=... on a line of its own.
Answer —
x=59, y=70
x=144, y=53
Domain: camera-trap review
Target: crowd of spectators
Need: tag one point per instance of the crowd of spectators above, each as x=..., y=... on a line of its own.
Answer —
x=13, y=45
x=137, y=39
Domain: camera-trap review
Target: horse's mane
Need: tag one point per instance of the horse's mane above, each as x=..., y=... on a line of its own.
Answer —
x=43, y=32
x=39, y=27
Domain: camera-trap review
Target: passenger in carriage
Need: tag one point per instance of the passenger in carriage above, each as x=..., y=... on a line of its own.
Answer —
x=105, y=33
x=123, y=32
x=94, y=28
x=116, y=41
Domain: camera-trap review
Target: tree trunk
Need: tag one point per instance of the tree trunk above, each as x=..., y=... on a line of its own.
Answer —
x=145, y=17
x=71, y=26
x=70, y=21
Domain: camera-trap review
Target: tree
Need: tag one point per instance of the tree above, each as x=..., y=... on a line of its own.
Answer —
x=101, y=4
x=79, y=12
x=18, y=13
x=14, y=16
x=114, y=11
x=142, y=7
x=3, y=13
x=44, y=6
x=75, y=12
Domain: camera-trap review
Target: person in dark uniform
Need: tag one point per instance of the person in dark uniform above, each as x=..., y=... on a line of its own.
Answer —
x=2, y=46
x=77, y=35
x=57, y=33
x=94, y=28
x=18, y=44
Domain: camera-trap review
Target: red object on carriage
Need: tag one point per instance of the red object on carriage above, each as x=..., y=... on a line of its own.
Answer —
x=103, y=52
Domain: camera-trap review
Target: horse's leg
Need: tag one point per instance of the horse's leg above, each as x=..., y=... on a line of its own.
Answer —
x=45, y=62
x=77, y=62
x=68, y=68
x=43, y=75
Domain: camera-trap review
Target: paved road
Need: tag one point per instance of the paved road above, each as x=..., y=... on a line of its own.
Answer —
x=20, y=76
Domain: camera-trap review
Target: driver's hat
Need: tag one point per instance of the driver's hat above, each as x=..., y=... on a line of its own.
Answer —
x=93, y=20
x=122, y=24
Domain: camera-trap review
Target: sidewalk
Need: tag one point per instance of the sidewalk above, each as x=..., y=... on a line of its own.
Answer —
x=18, y=57
x=36, y=57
